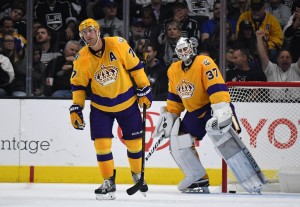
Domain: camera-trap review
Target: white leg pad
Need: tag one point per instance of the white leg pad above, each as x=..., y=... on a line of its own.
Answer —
x=185, y=157
x=238, y=158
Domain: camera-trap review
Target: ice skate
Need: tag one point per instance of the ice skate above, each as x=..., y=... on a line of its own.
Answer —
x=107, y=190
x=199, y=186
x=136, y=178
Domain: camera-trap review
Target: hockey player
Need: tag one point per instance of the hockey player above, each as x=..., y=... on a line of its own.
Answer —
x=197, y=86
x=108, y=64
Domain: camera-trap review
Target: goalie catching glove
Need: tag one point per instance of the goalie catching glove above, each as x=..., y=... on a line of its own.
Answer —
x=77, y=117
x=221, y=119
x=165, y=123
x=144, y=96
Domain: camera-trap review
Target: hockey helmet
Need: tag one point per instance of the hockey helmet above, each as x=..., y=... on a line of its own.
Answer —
x=185, y=49
x=88, y=23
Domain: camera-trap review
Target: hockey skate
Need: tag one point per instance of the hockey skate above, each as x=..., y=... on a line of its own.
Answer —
x=136, y=178
x=199, y=186
x=107, y=190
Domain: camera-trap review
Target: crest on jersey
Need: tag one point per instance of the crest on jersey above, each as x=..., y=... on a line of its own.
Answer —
x=185, y=89
x=54, y=21
x=106, y=75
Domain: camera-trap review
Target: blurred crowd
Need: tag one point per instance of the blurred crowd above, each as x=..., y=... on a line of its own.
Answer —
x=262, y=38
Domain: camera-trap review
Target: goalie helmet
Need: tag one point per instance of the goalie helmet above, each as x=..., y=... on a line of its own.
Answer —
x=186, y=49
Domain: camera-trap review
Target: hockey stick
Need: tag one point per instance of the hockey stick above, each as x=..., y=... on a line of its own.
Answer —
x=132, y=190
x=154, y=148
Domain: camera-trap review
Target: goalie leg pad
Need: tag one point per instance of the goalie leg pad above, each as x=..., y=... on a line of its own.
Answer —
x=183, y=152
x=238, y=158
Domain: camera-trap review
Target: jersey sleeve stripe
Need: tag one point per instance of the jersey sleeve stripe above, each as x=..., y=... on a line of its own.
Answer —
x=137, y=67
x=174, y=97
x=109, y=102
x=77, y=88
x=216, y=88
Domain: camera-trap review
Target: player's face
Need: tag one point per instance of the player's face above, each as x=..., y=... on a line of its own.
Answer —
x=90, y=35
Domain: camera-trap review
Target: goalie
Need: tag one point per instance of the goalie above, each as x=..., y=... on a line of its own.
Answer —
x=197, y=86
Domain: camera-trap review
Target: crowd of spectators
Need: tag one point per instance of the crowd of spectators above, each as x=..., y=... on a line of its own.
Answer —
x=262, y=39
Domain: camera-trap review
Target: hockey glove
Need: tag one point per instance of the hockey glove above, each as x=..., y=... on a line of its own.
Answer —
x=77, y=117
x=221, y=121
x=165, y=123
x=144, y=96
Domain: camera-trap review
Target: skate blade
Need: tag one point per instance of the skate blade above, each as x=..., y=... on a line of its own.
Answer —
x=203, y=190
x=107, y=196
x=143, y=193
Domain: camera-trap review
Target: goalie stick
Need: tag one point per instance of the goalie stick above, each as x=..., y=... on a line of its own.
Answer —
x=132, y=190
x=154, y=148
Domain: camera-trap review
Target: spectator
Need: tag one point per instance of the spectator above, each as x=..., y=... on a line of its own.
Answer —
x=35, y=25
x=59, y=17
x=152, y=29
x=17, y=14
x=94, y=9
x=246, y=38
x=157, y=74
x=279, y=10
x=238, y=7
x=137, y=31
x=161, y=11
x=292, y=33
x=168, y=44
x=7, y=27
x=9, y=49
x=209, y=27
x=189, y=27
x=202, y=9
x=284, y=70
x=212, y=44
x=242, y=70
x=7, y=75
x=110, y=25
x=44, y=41
x=59, y=70
x=140, y=49
x=266, y=22
x=38, y=75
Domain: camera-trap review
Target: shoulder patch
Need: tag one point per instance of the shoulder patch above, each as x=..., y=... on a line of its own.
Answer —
x=76, y=56
x=206, y=62
x=121, y=39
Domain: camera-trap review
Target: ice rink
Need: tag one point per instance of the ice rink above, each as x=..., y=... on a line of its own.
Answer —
x=82, y=195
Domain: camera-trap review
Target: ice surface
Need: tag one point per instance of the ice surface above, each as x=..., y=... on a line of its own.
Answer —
x=82, y=195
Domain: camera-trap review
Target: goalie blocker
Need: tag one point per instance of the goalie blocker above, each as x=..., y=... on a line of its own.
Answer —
x=239, y=159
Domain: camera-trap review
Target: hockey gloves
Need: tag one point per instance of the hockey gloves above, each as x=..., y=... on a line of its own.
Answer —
x=221, y=121
x=77, y=117
x=144, y=96
x=165, y=123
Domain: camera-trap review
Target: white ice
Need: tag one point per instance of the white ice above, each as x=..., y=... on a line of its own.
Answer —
x=82, y=195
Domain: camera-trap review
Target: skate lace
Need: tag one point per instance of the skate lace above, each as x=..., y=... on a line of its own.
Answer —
x=107, y=185
x=136, y=177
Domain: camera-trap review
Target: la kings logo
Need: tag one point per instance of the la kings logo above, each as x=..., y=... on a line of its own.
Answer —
x=54, y=21
x=106, y=75
x=185, y=89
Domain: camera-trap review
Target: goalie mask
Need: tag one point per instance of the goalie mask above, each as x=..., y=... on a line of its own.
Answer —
x=91, y=24
x=186, y=49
